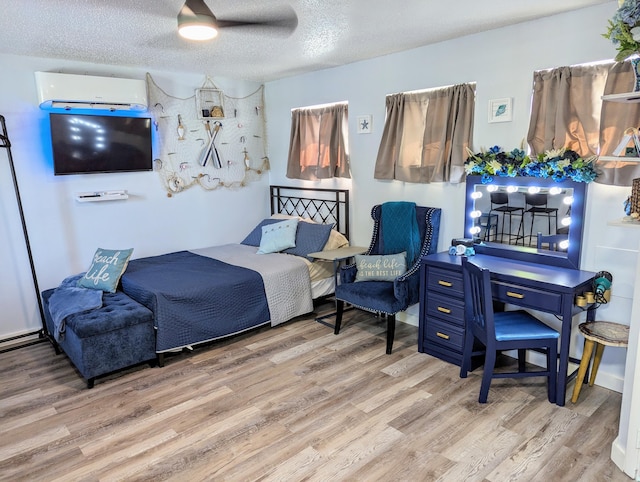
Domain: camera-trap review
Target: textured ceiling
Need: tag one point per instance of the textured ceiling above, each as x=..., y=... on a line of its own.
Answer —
x=143, y=33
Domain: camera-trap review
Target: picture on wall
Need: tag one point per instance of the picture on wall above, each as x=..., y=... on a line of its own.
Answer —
x=500, y=110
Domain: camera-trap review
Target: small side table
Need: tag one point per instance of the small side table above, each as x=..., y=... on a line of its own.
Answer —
x=336, y=256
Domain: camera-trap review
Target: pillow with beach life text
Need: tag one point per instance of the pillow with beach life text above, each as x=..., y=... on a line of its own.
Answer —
x=107, y=267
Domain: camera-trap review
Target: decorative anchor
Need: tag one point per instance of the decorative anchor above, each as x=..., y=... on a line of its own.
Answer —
x=247, y=163
x=180, y=129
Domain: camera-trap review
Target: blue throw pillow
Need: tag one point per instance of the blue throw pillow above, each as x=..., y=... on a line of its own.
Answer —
x=278, y=236
x=311, y=237
x=106, y=269
x=254, y=237
x=380, y=267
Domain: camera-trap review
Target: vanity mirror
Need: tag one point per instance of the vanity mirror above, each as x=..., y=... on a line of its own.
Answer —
x=508, y=213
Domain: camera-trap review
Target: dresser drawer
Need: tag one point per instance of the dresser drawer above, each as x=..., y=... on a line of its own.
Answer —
x=445, y=281
x=527, y=297
x=445, y=334
x=446, y=308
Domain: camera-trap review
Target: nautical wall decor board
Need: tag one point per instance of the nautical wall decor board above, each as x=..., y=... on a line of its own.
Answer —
x=225, y=148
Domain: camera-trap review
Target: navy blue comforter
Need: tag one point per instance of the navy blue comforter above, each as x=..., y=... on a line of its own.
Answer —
x=195, y=298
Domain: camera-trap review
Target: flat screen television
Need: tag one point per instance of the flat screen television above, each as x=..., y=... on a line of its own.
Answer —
x=87, y=143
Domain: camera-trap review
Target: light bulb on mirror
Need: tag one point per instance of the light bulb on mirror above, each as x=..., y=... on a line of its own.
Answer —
x=555, y=190
x=476, y=195
x=474, y=230
x=566, y=221
x=568, y=200
x=492, y=188
x=476, y=214
x=512, y=188
x=534, y=190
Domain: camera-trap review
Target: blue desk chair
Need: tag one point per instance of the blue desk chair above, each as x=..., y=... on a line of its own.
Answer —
x=389, y=297
x=507, y=330
x=552, y=241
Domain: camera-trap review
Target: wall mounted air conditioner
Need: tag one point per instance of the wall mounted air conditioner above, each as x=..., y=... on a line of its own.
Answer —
x=71, y=91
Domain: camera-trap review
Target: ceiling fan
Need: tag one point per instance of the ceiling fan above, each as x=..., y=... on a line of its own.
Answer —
x=197, y=22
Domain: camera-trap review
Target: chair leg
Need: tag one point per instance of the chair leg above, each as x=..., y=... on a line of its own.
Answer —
x=391, y=330
x=597, y=358
x=584, y=363
x=339, y=311
x=522, y=356
x=465, y=366
x=533, y=218
x=489, y=364
x=552, y=368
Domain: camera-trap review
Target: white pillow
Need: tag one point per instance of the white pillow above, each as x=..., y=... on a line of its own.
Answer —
x=278, y=236
x=336, y=238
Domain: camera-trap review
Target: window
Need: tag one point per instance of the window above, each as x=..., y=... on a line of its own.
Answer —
x=426, y=135
x=567, y=111
x=318, y=146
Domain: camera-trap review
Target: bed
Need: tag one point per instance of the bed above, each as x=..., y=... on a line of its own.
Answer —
x=205, y=294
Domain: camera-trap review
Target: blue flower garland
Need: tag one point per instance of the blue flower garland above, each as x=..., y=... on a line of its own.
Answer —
x=557, y=164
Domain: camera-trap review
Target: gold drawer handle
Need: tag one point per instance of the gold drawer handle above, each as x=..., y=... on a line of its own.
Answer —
x=442, y=335
x=515, y=295
x=444, y=283
x=444, y=310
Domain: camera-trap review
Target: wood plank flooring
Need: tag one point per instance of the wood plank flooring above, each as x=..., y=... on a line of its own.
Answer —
x=293, y=403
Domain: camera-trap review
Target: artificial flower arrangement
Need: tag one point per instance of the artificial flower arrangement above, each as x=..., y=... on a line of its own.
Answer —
x=557, y=164
x=624, y=29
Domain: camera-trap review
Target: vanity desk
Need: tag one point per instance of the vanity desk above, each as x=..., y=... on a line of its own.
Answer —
x=540, y=287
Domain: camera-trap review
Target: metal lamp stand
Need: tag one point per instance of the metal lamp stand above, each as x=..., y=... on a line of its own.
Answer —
x=42, y=333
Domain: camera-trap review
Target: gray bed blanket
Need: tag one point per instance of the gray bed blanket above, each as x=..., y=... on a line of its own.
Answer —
x=286, y=278
x=68, y=299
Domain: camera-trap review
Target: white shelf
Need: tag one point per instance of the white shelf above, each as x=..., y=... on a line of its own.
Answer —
x=624, y=97
x=619, y=158
x=626, y=221
x=97, y=196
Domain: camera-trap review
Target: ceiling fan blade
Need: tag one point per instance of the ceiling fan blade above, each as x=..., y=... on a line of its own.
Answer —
x=284, y=18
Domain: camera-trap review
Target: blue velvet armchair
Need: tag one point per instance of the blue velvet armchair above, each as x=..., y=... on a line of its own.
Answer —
x=388, y=297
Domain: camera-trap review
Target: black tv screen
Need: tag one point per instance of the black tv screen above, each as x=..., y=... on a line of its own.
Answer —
x=86, y=143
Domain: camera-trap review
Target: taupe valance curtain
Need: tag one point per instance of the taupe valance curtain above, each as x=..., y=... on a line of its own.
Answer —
x=616, y=117
x=318, y=144
x=567, y=111
x=426, y=134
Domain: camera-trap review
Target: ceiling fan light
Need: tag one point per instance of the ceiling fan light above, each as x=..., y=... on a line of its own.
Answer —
x=197, y=31
x=196, y=21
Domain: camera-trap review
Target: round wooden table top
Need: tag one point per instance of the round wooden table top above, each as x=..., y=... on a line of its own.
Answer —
x=605, y=332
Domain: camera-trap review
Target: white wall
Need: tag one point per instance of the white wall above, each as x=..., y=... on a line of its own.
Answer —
x=501, y=62
x=64, y=234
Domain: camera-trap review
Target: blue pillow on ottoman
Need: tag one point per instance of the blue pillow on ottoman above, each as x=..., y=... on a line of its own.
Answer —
x=106, y=269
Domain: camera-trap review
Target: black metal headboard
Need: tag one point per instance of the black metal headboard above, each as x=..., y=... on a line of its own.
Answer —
x=322, y=205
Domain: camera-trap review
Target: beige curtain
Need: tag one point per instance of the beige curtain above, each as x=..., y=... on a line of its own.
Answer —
x=616, y=117
x=426, y=134
x=567, y=111
x=318, y=144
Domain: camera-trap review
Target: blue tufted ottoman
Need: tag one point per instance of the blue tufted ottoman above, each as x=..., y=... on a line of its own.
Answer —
x=100, y=341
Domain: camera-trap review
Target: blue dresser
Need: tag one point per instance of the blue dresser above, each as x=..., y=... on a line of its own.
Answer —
x=545, y=288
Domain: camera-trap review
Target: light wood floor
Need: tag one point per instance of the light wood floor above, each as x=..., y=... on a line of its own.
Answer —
x=296, y=403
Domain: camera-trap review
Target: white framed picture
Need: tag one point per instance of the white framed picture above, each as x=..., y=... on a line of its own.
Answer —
x=500, y=110
x=364, y=124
